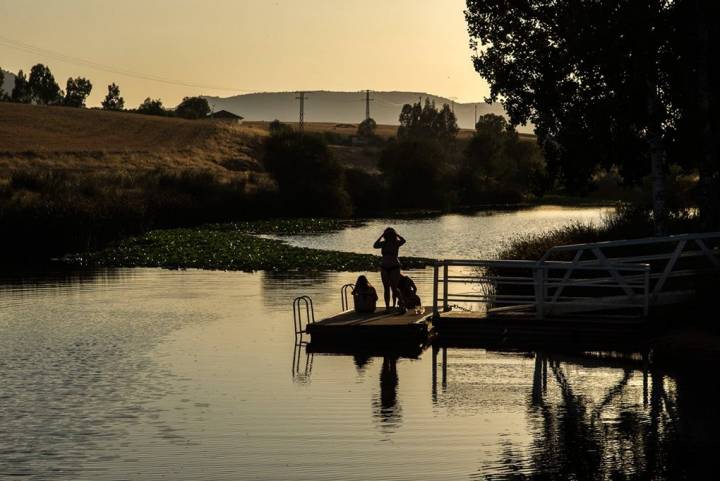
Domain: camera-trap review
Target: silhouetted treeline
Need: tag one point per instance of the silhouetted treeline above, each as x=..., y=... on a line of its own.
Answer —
x=40, y=88
x=631, y=86
x=422, y=168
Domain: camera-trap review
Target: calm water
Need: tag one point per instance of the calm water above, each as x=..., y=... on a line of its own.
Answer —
x=146, y=374
x=455, y=236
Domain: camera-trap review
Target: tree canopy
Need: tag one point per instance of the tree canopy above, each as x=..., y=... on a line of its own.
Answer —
x=152, y=107
x=77, y=91
x=43, y=87
x=612, y=83
x=193, y=108
x=366, y=128
x=426, y=121
x=113, y=100
x=21, y=91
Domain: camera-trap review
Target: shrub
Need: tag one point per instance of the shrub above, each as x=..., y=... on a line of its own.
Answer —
x=415, y=172
x=310, y=180
x=368, y=192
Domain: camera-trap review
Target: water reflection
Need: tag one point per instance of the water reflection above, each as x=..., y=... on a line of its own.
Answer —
x=595, y=426
x=386, y=407
x=302, y=363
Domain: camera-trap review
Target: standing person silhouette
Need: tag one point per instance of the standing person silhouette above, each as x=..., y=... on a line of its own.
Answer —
x=389, y=244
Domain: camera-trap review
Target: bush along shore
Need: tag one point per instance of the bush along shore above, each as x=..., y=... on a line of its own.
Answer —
x=233, y=247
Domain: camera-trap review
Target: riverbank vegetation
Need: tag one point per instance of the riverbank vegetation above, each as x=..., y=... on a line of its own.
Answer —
x=233, y=247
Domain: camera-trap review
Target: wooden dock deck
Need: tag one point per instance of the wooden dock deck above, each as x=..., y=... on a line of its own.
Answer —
x=523, y=329
x=350, y=329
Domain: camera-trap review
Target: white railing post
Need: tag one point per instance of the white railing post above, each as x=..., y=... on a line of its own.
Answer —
x=446, y=305
x=436, y=268
x=539, y=281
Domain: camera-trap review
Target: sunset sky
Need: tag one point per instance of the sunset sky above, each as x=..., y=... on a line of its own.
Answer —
x=227, y=47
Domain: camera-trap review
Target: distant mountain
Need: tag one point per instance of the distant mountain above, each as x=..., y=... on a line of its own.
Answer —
x=342, y=107
x=9, y=82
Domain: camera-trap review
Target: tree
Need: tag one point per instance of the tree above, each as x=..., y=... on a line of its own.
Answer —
x=498, y=163
x=309, y=178
x=77, y=91
x=113, y=101
x=193, y=108
x=366, y=129
x=415, y=172
x=152, y=107
x=418, y=122
x=44, y=89
x=611, y=83
x=21, y=91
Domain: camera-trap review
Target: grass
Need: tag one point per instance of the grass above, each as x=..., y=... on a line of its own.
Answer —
x=231, y=247
x=625, y=223
x=88, y=141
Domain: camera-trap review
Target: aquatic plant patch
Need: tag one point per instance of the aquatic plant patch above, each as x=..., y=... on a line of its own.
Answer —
x=226, y=247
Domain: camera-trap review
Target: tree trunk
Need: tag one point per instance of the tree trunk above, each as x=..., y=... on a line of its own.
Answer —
x=657, y=174
x=707, y=199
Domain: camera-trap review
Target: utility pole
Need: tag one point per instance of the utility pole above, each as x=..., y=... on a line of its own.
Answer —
x=302, y=98
x=367, y=104
x=475, y=116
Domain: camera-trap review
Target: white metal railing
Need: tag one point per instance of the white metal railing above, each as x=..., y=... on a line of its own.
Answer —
x=671, y=258
x=542, y=288
x=599, y=277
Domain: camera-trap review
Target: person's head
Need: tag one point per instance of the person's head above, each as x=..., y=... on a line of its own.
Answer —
x=362, y=282
x=390, y=234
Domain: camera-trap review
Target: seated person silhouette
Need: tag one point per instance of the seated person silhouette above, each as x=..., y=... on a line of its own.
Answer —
x=364, y=296
x=408, y=294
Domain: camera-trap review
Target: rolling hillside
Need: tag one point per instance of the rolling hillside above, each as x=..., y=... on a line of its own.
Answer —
x=343, y=107
x=94, y=140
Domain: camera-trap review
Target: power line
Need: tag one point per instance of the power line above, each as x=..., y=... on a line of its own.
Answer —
x=51, y=54
x=302, y=98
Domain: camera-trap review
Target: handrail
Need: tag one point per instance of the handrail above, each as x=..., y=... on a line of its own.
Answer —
x=633, y=242
x=542, y=288
x=298, y=304
x=548, y=286
x=344, y=300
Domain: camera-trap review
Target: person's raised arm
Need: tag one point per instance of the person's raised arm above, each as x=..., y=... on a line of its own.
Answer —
x=401, y=240
x=378, y=243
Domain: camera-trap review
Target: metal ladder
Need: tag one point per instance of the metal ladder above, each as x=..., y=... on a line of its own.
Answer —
x=300, y=304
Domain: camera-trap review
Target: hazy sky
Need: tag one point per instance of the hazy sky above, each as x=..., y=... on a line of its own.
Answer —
x=246, y=45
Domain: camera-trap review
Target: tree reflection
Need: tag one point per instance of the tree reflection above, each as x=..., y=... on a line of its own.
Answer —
x=613, y=439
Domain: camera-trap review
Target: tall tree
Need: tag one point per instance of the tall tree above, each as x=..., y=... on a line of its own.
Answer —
x=419, y=121
x=113, y=100
x=77, y=91
x=21, y=91
x=43, y=87
x=193, y=108
x=591, y=76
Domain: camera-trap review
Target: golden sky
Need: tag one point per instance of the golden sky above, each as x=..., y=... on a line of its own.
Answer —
x=244, y=45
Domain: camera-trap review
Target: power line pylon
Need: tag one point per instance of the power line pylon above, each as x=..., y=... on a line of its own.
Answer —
x=302, y=98
x=367, y=104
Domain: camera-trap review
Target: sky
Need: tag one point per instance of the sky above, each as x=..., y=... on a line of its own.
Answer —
x=230, y=47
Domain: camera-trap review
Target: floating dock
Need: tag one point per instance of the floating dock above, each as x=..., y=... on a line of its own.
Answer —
x=522, y=329
x=371, y=331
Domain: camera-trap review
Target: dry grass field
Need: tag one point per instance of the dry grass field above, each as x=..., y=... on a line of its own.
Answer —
x=84, y=140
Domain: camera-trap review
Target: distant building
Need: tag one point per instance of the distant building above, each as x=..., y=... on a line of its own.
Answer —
x=225, y=116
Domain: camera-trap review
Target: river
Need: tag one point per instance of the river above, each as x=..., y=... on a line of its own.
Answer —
x=149, y=374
